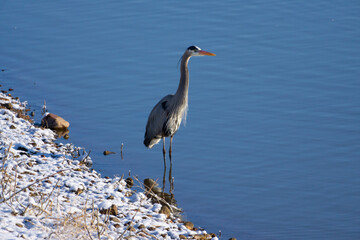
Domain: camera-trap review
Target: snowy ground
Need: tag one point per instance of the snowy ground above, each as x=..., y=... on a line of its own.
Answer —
x=48, y=192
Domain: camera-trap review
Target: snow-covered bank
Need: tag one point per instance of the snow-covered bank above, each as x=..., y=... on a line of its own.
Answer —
x=48, y=192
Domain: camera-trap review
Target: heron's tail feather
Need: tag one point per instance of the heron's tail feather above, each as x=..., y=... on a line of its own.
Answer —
x=150, y=142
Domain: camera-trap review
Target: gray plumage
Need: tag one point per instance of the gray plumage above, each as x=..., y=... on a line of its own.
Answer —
x=167, y=115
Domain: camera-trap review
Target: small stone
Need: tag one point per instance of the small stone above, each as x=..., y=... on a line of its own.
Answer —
x=61, y=132
x=150, y=183
x=151, y=228
x=12, y=127
x=129, y=182
x=7, y=105
x=142, y=226
x=232, y=238
x=182, y=236
x=115, y=219
x=157, y=190
x=53, y=121
x=129, y=194
x=111, y=197
x=165, y=210
x=189, y=225
x=19, y=225
x=79, y=191
x=200, y=237
x=10, y=89
x=116, y=225
x=112, y=210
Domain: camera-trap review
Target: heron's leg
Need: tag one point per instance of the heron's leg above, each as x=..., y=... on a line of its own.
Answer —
x=170, y=171
x=170, y=149
x=164, y=179
x=164, y=155
x=164, y=151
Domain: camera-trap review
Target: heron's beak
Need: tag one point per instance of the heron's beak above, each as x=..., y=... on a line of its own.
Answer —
x=205, y=53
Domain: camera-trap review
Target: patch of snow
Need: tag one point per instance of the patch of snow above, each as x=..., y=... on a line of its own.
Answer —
x=49, y=192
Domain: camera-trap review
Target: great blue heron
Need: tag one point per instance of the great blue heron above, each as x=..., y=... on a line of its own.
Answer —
x=165, y=118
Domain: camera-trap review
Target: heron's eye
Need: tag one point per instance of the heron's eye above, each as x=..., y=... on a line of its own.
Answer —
x=193, y=48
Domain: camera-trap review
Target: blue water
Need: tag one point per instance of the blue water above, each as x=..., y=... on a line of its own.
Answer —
x=271, y=146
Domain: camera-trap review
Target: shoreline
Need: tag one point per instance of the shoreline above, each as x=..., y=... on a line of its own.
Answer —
x=47, y=191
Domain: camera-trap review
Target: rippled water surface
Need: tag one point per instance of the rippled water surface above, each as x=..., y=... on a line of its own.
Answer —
x=271, y=146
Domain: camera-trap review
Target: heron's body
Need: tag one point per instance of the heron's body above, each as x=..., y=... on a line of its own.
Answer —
x=167, y=115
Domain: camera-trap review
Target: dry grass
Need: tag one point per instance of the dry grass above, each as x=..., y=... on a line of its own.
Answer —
x=48, y=207
x=87, y=224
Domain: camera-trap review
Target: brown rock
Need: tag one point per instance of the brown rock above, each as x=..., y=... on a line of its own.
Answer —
x=151, y=228
x=19, y=225
x=115, y=219
x=112, y=210
x=189, y=225
x=129, y=182
x=152, y=185
x=79, y=191
x=165, y=210
x=201, y=237
x=61, y=132
x=7, y=105
x=53, y=121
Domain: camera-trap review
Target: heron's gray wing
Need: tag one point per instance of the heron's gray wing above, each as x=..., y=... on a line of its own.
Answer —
x=157, y=119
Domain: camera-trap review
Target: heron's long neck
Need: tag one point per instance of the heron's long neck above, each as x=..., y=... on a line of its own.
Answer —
x=181, y=94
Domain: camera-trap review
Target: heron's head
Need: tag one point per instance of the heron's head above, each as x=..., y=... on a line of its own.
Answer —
x=196, y=51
